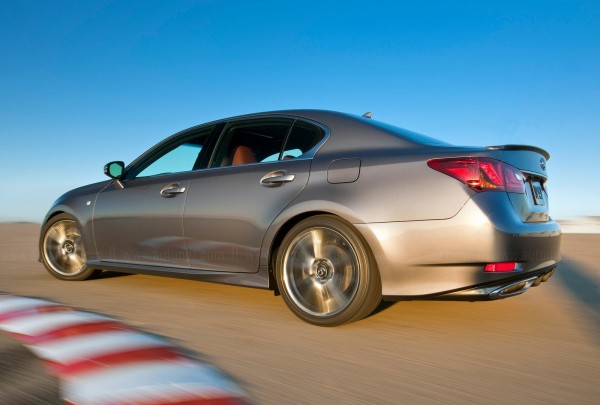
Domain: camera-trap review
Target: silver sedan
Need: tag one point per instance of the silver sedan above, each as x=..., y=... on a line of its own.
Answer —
x=333, y=211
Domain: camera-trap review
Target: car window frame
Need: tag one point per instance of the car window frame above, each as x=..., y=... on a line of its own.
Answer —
x=228, y=125
x=214, y=139
x=309, y=154
x=171, y=143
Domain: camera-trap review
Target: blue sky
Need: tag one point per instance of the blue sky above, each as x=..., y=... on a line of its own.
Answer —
x=86, y=82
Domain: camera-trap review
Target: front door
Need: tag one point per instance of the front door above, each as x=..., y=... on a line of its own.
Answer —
x=139, y=220
x=139, y=224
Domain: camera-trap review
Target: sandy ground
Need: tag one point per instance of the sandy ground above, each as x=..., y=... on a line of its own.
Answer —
x=542, y=347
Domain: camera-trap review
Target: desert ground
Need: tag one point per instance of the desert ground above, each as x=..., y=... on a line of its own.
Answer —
x=542, y=347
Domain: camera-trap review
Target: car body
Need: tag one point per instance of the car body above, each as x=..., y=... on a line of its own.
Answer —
x=332, y=210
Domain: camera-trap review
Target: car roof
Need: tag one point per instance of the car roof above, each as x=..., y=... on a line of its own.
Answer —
x=350, y=130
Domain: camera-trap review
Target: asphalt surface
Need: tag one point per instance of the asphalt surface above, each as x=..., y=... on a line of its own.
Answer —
x=542, y=347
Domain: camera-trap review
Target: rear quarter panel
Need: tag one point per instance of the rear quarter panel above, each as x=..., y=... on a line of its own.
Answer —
x=393, y=186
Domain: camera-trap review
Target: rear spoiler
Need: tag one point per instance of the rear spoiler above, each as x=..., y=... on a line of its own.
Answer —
x=521, y=147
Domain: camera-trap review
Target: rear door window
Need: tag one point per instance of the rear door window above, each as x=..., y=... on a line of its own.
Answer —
x=266, y=140
x=252, y=141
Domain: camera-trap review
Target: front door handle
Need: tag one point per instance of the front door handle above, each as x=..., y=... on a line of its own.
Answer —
x=276, y=178
x=172, y=190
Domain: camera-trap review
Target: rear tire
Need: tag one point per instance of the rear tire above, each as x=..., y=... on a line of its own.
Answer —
x=326, y=272
x=62, y=250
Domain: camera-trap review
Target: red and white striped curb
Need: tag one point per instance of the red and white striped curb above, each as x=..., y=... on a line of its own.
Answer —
x=102, y=361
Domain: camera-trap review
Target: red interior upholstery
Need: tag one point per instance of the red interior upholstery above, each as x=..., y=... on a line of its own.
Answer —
x=242, y=156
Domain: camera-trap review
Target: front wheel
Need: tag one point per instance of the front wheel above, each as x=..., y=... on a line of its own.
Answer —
x=62, y=250
x=326, y=273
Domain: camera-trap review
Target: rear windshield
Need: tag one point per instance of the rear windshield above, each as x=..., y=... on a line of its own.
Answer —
x=405, y=134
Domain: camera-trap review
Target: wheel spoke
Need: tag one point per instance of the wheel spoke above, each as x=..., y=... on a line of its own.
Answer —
x=62, y=260
x=312, y=295
x=57, y=234
x=305, y=252
x=76, y=261
x=333, y=298
x=316, y=238
x=52, y=244
x=305, y=286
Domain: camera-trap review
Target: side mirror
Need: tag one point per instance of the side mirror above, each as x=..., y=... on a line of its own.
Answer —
x=114, y=170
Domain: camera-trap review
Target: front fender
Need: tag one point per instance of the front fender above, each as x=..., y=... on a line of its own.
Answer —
x=79, y=203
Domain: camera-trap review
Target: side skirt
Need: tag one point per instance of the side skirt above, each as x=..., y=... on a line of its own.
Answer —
x=260, y=279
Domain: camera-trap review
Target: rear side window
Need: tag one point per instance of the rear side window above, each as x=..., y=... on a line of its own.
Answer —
x=303, y=138
x=254, y=141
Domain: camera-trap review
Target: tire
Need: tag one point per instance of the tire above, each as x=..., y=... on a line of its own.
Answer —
x=326, y=273
x=62, y=250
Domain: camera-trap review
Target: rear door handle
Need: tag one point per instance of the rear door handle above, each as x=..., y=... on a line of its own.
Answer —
x=172, y=190
x=276, y=178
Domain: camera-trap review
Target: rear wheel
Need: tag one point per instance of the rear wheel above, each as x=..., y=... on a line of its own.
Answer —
x=326, y=273
x=62, y=250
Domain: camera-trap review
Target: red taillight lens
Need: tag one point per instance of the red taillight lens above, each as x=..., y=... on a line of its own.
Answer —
x=481, y=174
x=500, y=267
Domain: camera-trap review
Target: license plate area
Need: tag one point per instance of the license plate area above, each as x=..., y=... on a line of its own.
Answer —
x=537, y=191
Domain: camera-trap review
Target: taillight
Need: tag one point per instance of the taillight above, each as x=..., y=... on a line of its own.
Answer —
x=515, y=181
x=481, y=173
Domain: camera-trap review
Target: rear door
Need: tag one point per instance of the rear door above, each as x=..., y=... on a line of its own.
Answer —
x=258, y=168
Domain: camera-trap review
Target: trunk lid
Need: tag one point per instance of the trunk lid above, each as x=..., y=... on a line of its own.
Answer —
x=532, y=206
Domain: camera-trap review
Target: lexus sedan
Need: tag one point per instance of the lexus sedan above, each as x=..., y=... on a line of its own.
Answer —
x=333, y=211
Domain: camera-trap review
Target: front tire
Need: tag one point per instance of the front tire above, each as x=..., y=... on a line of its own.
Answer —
x=62, y=250
x=326, y=273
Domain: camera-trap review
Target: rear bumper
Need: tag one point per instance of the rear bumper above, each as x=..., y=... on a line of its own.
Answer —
x=504, y=288
x=507, y=288
x=442, y=257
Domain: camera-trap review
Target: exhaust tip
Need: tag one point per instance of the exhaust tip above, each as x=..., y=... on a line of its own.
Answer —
x=513, y=289
x=547, y=276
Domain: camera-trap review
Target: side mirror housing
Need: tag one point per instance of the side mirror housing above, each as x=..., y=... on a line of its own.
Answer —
x=114, y=170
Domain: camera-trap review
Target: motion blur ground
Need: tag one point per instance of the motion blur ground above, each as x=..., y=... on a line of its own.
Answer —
x=542, y=347
x=23, y=379
x=101, y=361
